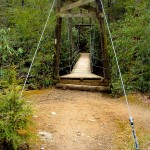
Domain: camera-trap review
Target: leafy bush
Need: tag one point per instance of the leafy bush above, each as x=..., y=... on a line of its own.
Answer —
x=131, y=36
x=15, y=117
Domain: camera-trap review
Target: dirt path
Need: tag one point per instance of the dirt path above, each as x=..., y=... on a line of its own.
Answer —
x=78, y=120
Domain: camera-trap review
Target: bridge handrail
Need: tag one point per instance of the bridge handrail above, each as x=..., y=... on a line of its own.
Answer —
x=73, y=59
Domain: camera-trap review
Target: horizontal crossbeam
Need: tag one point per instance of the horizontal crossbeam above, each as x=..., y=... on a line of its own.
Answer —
x=83, y=25
x=89, y=8
x=78, y=15
x=75, y=4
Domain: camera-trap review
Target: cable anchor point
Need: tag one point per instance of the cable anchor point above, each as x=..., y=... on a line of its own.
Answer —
x=136, y=144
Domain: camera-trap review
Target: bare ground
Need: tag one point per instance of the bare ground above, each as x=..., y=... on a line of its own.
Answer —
x=79, y=120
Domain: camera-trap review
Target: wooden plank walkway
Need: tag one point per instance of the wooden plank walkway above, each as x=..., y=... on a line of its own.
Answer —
x=82, y=69
x=81, y=77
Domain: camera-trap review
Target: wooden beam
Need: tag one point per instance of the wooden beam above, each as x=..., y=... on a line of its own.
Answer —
x=103, y=34
x=57, y=44
x=78, y=15
x=70, y=39
x=89, y=8
x=84, y=25
x=75, y=4
x=83, y=87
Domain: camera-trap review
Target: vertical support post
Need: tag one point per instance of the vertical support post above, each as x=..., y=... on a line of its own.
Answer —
x=109, y=3
x=103, y=35
x=70, y=40
x=91, y=50
x=22, y=3
x=57, y=45
x=79, y=38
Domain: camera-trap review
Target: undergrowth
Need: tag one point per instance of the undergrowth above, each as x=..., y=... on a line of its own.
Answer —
x=124, y=138
x=15, y=117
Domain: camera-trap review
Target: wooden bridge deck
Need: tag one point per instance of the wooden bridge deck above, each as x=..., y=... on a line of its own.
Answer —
x=81, y=77
x=82, y=69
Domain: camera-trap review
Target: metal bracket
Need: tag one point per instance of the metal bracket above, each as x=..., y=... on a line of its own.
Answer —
x=136, y=144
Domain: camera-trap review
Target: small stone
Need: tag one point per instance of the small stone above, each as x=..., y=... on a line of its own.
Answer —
x=78, y=134
x=92, y=120
x=42, y=133
x=54, y=113
x=74, y=140
x=97, y=118
x=42, y=148
x=46, y=135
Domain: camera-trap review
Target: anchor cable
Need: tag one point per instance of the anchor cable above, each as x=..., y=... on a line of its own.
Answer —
x=122, y=82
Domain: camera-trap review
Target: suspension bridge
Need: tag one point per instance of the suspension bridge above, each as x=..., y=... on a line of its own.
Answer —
x=81, y=66
x=79, y=70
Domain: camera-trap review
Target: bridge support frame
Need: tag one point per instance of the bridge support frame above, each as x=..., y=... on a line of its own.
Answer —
x=57, y=41
x=70, y=39
x=67, y=9
x=103, y=36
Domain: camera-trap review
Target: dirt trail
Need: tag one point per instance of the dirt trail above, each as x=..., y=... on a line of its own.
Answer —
x=80, y=120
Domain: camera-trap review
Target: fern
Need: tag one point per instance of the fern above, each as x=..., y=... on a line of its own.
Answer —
x=15, y=117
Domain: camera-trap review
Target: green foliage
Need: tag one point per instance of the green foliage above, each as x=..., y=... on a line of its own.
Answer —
x=129, y=22
x=7, y=53
x=41, y=74
x=131, y=36
x=26, y=23
x=5, y=49
x=15, y=117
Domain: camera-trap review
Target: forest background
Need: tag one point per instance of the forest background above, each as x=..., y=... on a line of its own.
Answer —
x=21, y=23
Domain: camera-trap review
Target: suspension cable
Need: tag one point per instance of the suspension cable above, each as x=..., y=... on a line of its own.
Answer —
x=116, y=58
x=122, y=82
x=38, y=45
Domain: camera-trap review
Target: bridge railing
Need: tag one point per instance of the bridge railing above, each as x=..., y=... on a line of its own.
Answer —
x=97, y=62
x=67, y=61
